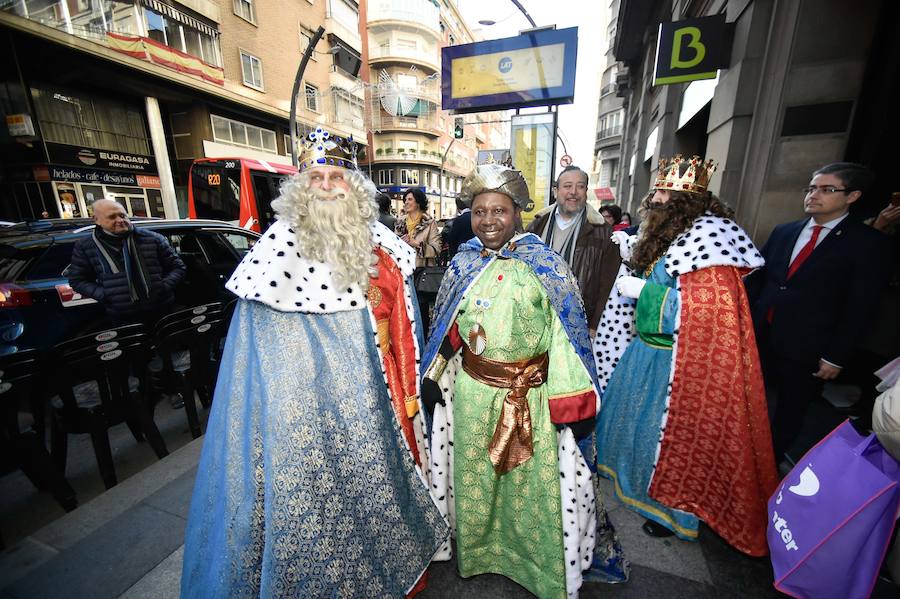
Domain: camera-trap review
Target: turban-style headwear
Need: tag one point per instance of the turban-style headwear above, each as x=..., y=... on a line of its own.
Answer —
x=495, y=177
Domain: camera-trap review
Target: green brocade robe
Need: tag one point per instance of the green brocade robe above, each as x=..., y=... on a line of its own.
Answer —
x=512, y=524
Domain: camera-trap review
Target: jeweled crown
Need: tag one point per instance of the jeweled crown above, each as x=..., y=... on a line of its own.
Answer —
x=321, y=148
x=694, y=180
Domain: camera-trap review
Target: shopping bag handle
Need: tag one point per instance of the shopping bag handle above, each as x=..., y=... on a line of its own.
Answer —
x=888, y=464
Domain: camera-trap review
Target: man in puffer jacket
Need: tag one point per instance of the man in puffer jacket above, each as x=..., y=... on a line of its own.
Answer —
x=131, y=272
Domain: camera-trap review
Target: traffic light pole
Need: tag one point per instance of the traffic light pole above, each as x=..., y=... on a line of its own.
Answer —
x=441, y=180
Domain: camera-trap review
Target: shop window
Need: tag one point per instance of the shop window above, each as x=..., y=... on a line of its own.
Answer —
x=82, y=120
x=91, y=193
x=241, y=134
x=312, y=96
x=251, y=70
x=244, y=9
x=181, y=135
x=409, y=177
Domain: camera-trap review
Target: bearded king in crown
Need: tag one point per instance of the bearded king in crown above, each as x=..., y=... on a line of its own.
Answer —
x=684, y=431
x=311, y=480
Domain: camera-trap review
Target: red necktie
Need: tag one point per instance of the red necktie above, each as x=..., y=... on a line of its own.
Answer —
x=804, y=253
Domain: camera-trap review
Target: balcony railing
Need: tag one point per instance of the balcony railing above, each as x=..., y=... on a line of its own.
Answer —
x=607, y=89
x=430, y=156
x=396, y=51
x=418, y=12
x=407, y=122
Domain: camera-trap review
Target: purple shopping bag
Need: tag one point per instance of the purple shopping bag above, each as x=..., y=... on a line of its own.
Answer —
x=830, y=519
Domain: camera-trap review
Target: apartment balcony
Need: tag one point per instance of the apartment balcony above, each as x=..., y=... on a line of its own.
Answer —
x=608, y=132
x=430, y=157
x=416, y=13
x=394, y=53
x=169, y=38
x=385, y=123
x=607, y=89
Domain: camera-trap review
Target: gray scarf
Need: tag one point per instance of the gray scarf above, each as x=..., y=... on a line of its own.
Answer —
x=568, y=251
x=135, y=270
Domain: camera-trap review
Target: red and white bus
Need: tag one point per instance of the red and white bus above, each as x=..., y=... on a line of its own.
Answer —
x=237, y=190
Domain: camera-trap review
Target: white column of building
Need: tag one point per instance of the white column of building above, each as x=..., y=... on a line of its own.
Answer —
x=161, y=153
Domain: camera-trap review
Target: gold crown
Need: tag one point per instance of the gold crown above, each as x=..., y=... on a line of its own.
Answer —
x=694, y=180
x=320, y=148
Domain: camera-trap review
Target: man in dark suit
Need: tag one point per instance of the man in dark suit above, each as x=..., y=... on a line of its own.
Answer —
x=460, y=230
x=812, y=300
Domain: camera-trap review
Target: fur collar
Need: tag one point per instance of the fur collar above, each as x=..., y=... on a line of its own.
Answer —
x=273, y=272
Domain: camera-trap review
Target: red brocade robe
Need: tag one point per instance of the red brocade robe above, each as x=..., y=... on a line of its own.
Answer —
x=716, y=457
x=396, y=341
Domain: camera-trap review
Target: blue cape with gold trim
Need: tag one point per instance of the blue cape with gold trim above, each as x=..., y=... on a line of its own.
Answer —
x=551, y=270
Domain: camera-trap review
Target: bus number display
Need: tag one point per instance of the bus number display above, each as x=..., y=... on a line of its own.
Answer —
x=214, y=179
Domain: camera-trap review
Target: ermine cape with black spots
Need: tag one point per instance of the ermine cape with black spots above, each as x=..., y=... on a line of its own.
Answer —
x=684, y=431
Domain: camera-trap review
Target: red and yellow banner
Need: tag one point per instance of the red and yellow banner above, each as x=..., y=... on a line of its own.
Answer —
x=150, y=50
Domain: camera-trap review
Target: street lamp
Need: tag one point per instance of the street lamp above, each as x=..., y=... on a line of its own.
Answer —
x=296, y=90
x=489, y=22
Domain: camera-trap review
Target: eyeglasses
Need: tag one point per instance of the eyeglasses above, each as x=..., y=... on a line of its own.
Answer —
x=824, y=189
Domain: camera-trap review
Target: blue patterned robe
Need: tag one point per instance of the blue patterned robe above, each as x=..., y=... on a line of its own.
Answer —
x=305, y=487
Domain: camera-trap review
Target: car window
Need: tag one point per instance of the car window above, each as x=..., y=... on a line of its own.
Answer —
x=218, y=250
x=35, y=262
x=52, y=264
x=240, y=242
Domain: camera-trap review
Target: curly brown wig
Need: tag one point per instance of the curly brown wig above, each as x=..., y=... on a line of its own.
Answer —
x=663, y=223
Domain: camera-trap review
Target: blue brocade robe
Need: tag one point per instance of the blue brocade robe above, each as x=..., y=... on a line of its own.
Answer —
x=305, y=488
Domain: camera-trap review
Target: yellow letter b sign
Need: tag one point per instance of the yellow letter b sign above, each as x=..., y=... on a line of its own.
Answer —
x=689, y=50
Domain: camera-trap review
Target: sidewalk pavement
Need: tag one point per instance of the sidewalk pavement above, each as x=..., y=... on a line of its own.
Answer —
x=128, y=543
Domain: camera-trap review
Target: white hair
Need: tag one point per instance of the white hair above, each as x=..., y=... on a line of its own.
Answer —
x=333, y=227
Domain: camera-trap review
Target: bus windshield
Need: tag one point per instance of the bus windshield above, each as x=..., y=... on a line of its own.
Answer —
x=217, y=191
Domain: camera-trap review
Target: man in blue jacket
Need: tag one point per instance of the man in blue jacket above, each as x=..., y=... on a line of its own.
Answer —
x=131, y=272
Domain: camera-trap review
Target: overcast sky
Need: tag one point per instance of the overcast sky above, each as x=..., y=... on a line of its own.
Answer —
x=578, y=121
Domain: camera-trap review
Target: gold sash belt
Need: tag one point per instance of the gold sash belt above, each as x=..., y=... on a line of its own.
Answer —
x=511, y=444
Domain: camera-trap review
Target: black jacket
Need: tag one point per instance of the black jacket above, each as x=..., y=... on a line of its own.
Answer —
x=90, y=275
x=826, y=307
x=459, y=231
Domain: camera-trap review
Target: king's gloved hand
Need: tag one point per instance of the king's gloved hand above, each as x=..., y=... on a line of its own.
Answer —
x=431, y=395
x=621, y=239
x=630, y=286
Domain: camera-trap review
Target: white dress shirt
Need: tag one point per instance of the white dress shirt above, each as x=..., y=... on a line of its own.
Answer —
x=806, y=234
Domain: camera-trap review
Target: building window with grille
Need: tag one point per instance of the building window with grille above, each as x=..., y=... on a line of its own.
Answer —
x=312, y=96
x=244, y=9
x=81, y=120
x=252, y=71
x=386, y=177
x=409, y=177
x=241, y=134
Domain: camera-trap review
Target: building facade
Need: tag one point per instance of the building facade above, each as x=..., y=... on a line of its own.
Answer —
x=117, y=98
x=412, y=138
x=808, y=83
x=604, y=178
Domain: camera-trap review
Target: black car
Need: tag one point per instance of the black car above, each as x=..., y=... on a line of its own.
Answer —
x=38, y=308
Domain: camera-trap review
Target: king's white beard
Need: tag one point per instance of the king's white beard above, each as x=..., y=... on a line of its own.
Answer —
x=333, y=232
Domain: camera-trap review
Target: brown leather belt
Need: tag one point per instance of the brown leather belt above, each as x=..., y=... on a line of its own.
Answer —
x=511, y=444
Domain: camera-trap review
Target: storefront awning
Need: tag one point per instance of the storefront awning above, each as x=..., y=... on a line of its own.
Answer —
x=172, y=12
